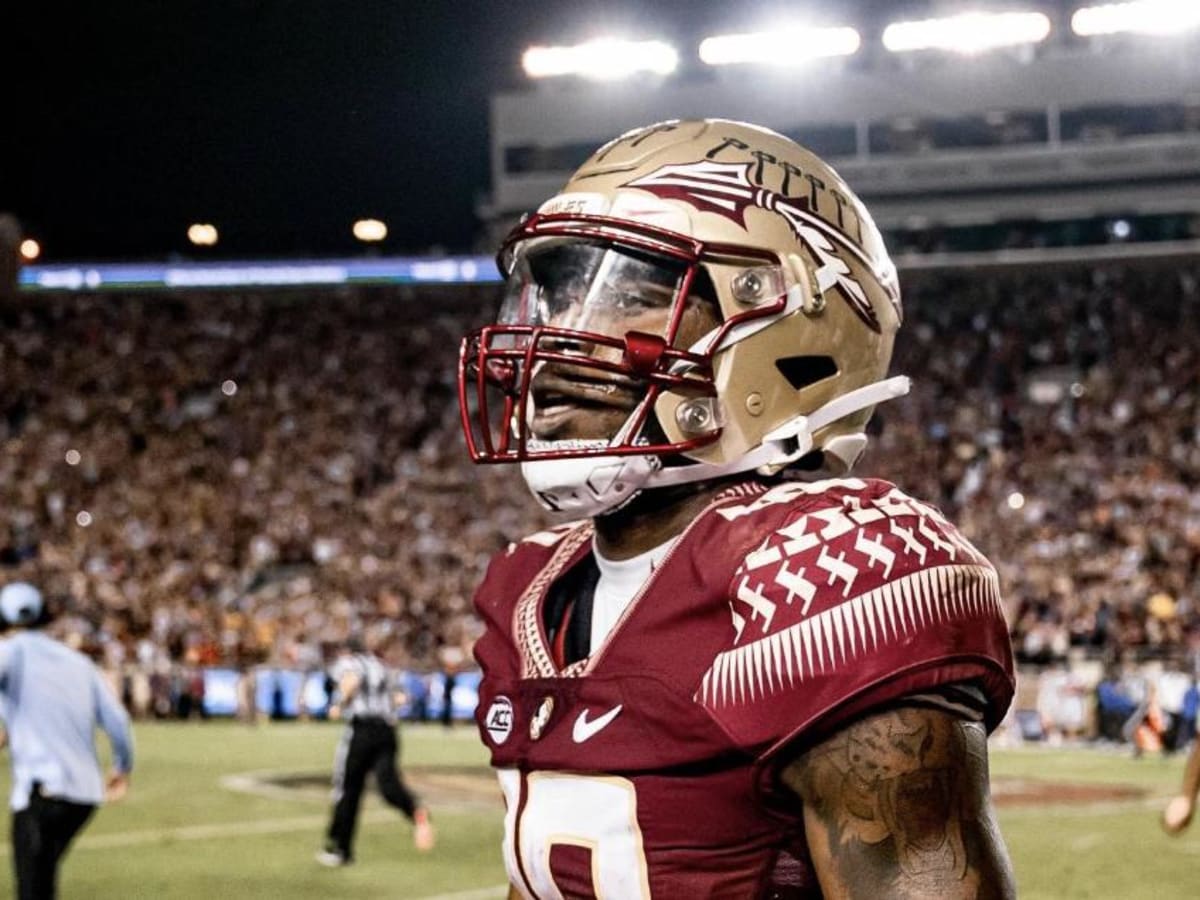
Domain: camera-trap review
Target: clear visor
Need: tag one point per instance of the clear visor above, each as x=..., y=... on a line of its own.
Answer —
x=590, y=287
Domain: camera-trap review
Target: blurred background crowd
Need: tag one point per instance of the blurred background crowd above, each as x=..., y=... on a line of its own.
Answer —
x=239, y=479
x=231, y=479
x=1056, y=418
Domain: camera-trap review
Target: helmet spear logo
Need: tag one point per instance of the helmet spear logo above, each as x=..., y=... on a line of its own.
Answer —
x=726, y=189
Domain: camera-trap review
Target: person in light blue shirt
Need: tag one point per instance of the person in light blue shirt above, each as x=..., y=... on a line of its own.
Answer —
x=52, y=699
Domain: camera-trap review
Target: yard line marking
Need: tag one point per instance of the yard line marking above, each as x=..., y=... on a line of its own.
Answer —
x=260, y=784
x=487, y=893
x=218, y=830
x=1087, y=841
x=1081, y=810
x=470, y=793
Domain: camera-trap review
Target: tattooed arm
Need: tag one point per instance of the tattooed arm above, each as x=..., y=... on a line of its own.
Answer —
x=896, y=805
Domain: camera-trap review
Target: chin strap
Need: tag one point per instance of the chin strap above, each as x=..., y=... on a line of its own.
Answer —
x=592, y=486
x=789, y=442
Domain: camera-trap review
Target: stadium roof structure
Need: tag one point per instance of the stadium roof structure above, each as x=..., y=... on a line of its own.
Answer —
x=283, y=129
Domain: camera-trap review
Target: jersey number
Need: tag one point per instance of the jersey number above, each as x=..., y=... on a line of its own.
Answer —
x=598, y=814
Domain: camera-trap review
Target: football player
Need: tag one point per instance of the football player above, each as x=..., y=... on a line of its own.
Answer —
x=741, y=672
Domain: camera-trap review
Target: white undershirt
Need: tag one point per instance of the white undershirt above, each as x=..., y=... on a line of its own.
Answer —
x=620, y=581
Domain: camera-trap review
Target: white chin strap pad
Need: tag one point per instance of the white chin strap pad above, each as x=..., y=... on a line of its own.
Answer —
x=588, y=487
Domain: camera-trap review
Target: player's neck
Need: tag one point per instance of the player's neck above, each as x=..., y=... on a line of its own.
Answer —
x=652, y=518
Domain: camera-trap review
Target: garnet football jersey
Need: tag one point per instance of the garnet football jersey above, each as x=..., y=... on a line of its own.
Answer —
x=779, y=615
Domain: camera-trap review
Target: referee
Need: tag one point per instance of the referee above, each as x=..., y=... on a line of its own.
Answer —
x=52, y=699
x=364, y=697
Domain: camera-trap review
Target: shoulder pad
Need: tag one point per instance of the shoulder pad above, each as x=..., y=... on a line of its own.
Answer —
x=855, y=581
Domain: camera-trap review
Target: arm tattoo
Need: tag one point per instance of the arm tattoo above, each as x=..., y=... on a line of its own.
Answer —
x=896, y=805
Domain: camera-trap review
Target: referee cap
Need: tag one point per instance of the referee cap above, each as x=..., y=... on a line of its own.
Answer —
x=20, y=603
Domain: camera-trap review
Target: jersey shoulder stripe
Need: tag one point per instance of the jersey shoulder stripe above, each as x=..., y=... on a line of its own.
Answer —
x=850, y=583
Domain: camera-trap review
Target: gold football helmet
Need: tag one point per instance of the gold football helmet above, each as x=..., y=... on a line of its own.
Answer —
x=710, y=291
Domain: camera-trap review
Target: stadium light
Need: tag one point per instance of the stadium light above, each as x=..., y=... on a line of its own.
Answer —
x=30, y=249
x=606, y=59
x=370, y=230
x=788, y=46
x=1120, y=229
x=202, y=235
x=968, y=33
x=1153, y=17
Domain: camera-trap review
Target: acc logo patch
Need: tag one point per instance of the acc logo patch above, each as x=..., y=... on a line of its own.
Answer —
x=499, y=719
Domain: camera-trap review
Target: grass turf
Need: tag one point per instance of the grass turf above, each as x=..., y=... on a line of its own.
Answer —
x=186, y=832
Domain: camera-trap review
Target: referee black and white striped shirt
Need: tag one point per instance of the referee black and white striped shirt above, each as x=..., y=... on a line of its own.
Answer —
x=372, y=695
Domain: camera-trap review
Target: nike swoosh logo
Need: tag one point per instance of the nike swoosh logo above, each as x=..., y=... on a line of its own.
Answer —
x=585, y=730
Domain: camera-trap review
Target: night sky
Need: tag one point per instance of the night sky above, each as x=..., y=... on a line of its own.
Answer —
x=280, y=121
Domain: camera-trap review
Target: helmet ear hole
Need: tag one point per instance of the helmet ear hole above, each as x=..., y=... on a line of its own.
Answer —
x=813, y=461
x=802, y=371
x=703, y=288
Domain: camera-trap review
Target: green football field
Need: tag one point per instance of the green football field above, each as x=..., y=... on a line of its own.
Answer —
x=221, y=811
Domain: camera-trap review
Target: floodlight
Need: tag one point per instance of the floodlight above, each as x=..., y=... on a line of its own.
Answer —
x=1154, y=17
x=370, y=230
x=605, y=59
x=202, y=235
x=30, y=249
x=788, y=46
x=968, y=32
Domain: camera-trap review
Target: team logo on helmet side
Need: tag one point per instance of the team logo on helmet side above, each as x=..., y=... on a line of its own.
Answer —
x=726, y=189
x=541, y=718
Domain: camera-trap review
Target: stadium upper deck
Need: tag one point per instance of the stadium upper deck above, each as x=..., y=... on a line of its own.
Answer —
x=1072, y=128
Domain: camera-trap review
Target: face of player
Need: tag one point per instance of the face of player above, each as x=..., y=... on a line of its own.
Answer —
x=594, y=289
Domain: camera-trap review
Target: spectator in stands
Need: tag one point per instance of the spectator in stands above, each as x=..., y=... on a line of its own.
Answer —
x=1114, y=706
x=1174, y=686
x=1061, y=704
x=1147, y=726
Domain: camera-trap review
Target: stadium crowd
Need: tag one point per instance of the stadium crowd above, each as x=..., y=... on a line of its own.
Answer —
x=1057, y=416
x=243, y=478
x=239, y=479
